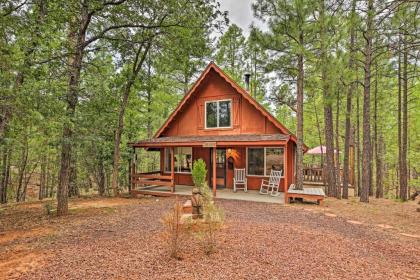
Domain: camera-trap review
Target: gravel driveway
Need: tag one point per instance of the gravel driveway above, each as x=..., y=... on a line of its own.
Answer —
x=258, y=241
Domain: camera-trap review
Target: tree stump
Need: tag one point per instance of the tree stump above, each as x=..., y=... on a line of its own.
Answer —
x=197, y=204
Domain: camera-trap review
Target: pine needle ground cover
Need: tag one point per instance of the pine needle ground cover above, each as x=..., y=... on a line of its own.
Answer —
x=119, y=238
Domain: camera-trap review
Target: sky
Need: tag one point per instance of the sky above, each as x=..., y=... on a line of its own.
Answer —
x=240, y=13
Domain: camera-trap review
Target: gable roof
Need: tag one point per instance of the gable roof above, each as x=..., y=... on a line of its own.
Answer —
x=239, y=89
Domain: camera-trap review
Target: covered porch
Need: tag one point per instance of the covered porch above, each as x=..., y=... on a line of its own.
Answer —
x=257, y=154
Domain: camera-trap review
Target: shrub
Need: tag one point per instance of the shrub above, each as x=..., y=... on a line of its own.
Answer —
x=48, y=206
x=207, y=195
x=213, y=222
x=175, y=230
x=199, y=173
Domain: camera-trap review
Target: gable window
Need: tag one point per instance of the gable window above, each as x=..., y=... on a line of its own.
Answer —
x=260, y=161
x=182, y=160
x=218, y=114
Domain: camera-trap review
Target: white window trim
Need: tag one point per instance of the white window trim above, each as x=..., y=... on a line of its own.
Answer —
x=175, y=171
x=265, y=159
x=217, y=114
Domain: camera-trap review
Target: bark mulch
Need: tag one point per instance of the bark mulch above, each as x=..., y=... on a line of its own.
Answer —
x=258, y=241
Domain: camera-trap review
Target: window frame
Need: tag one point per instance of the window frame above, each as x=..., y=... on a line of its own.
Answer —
x=175, y=171
x=265, y=159
x=217, y=114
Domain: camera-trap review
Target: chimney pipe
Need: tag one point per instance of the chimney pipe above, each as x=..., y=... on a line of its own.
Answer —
x=247, y=77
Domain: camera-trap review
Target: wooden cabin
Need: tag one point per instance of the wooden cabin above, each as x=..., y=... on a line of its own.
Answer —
x=219, y=122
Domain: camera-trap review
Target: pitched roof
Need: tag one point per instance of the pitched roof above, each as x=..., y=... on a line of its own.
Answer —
x=199, y=140
x=239, y=89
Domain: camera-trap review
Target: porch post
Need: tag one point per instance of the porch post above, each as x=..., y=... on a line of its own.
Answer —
x=214, y=171
x=172, y=170
x=134, y=168
x=133, y=179
x=285, y=173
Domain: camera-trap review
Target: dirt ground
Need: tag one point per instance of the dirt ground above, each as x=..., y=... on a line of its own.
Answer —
x=118, y=238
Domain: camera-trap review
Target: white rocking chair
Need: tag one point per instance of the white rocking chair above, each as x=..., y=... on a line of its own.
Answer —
x=239, y=179
x=272, y=185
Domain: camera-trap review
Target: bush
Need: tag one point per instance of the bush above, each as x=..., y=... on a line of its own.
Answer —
x=49, y=208
x=175, y=230
x=213, y=222
x=207, y=195
x=199, y=173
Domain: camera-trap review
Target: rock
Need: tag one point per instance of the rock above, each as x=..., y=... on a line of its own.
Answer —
x=187, y=207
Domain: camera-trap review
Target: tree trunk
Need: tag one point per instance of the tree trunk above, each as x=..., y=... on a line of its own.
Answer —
x=328, y=114
x=367, y=149
x=350, y=91
x=101, y=178
x=43, y=177
x=149, y=97
x=404, y=138
x=318, y=126
x=21, y=172
x=73, y=187
x=27, y=179
x=137, y=64
x=330, y=166
x=76, y=40
x=299, y=114
x=359, y=186
x=5, y=174
x=379, y=168
x=375, y=127
x=47, y=177
x=117, y=139
x=337, y=147
x=399, y=114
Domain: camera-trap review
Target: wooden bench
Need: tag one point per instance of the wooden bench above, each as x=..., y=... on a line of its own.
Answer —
x=316, y=194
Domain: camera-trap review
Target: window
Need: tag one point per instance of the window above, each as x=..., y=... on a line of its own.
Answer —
x=273, y=160
x=260, y=161
x=256, y=161
x=182, y=160
x=218, y=114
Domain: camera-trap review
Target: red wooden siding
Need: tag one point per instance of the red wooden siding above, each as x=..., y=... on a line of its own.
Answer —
x=239, y=158
x=245, y=118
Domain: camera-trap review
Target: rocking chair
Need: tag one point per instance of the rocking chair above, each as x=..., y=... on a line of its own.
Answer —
x=271, y=186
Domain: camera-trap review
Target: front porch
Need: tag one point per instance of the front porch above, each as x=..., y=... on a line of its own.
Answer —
x=174, y=156
x=183, y=190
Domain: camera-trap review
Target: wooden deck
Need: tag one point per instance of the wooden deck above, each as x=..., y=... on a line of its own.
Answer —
x=182, y=190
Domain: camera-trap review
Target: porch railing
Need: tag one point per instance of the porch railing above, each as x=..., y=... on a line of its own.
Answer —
x=313, y=174
x=316, y=175
x=154, y=178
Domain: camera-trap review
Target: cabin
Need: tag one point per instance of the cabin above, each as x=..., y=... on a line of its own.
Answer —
x=217, y=121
